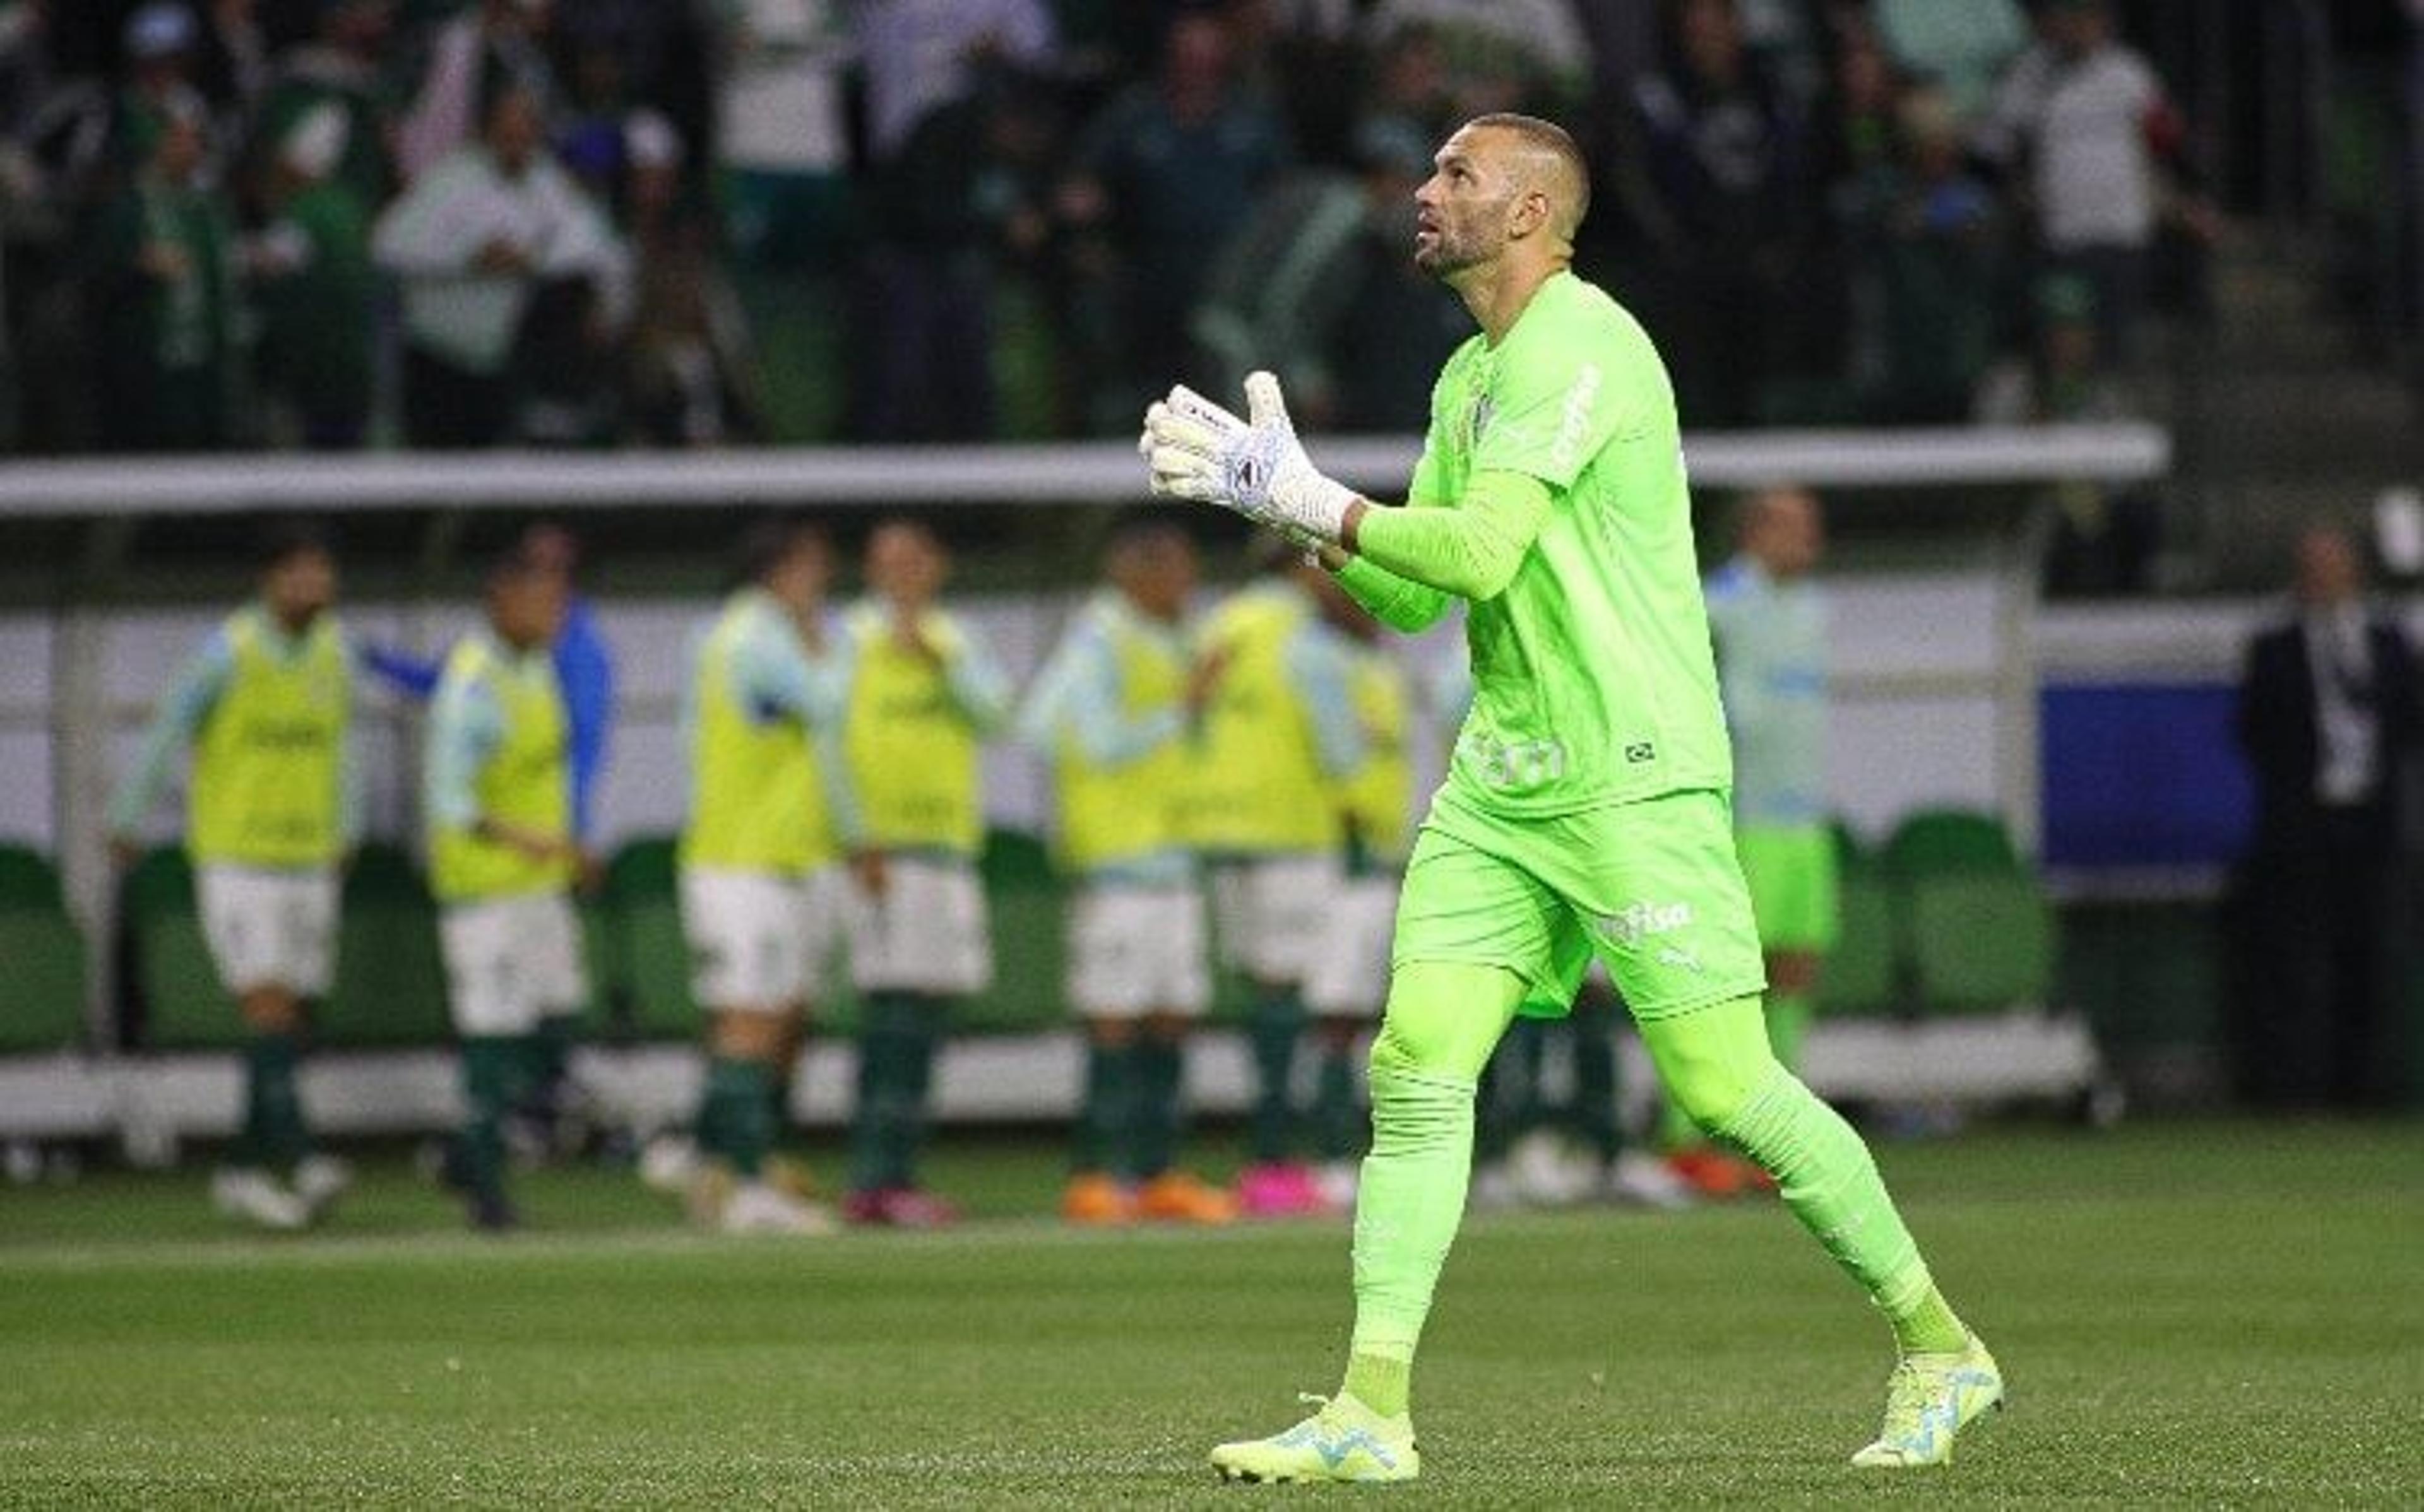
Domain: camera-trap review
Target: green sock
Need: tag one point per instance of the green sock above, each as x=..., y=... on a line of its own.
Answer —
x=493, y=1069
x=1827, y=1178
x=1103, y=1121
x=740, y=1108
x=895, y=1059
x=1788, y=1025
x=1157, y=1114
x=1384, y=1383
x=1278, y=1023
x=274, y=1134
x=1338, y=1120
x=1407, y=1208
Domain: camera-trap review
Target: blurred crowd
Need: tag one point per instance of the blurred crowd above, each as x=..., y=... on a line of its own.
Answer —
x=331, y=223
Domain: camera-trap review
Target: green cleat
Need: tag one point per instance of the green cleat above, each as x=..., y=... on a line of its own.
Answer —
x=1344, y=1441
x=1930, y=1399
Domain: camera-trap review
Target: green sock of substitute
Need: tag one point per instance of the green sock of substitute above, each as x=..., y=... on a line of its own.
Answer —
x=1103, y=1120
x=274, y=1134
x=493, y=1074
x=1278, y=1024
x=1826, y=1176
x=1158, y=1111
x=740, y=1109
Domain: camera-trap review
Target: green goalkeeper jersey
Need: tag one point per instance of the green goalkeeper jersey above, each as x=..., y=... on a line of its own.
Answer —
x=1594, y=681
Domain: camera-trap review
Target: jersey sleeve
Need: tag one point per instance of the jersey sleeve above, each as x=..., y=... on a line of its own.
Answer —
x=172, y=729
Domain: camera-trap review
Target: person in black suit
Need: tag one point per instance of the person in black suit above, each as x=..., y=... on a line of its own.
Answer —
x=2327, y=717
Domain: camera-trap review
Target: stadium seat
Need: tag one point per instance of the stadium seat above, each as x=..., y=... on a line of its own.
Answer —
x=1980, y=941
x=1863, y=974
x=1950, y=839
x=42, y=1005
x=1026, y=899
x=184, y=1006
x=391, y=982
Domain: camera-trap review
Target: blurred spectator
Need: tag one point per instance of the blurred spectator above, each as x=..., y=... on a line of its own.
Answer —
x=2089, y=119
x=159, y=42
x=920, y=55
x=1960, y=46
x=1319, y=285
x=166, y=308
x=1936, y=253
x=1163, y=173
x=507, y=271
x=690, y=380
x=1720, y=190
x=1500, y=55
x=969, y=189
x=317, y=291
x=492, y=48
x=1852, y=142
x=783, y=132
x=339, y=67
x=231, y=57
x=2328, y=720
x=1409, y=93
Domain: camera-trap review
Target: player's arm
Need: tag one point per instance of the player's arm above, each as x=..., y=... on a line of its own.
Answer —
x=180, y=714
x=814, y=690
x=1471, y=551
x=466, y=726
x=1257, y=466
x=978, y=685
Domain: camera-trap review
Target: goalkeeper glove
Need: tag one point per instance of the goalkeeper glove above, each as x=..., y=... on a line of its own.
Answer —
x=1198, y=451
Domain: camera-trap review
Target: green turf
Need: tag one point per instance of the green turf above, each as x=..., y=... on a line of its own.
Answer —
x=2203, y=1314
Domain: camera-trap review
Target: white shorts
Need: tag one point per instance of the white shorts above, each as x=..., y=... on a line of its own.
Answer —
x=1136, y=949
x=511, y=961
x=270, y=928
x=1350, y=974
x=926, y=934
x=1268, y=911
x=759, y=939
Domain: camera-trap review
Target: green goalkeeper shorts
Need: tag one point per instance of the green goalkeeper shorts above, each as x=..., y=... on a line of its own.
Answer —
x=1653, y=888
x=1791, y=871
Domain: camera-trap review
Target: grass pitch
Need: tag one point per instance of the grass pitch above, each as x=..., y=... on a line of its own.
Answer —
x=2193, y=1314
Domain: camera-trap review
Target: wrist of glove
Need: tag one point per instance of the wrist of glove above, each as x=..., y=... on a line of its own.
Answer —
x=1257, y=466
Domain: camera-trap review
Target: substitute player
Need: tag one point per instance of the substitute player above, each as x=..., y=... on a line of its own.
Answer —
x=1279, y=735
x=497, y=796
x=923, y=692
x=273, y=805
x=1585, y=809
x=1768, y=619
x=1116, y=707
x=763, y=899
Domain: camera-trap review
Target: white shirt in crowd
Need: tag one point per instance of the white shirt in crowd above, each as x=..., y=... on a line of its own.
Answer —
x=2083, y=126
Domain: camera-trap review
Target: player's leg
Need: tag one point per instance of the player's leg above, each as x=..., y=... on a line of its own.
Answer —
x=492, y=997
x=1175, y=984
x=915, y=949
x=1675, y=925
x=1717, y=1063
x=244, y=925
x=1271, y=924
x=1473, y=934
x=1107, y=993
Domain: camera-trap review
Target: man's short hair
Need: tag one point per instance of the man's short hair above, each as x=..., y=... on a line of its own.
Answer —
x=1549, y=137
x=286, y=539
x=769, y=543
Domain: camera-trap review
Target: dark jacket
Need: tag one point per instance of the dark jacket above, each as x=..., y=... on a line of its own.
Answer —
x=2277, y=725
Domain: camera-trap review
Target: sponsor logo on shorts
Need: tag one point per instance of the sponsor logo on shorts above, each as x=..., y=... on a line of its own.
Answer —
x=1630, y=926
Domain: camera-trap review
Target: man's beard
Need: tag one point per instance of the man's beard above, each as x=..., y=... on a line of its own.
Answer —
x=1446, y=256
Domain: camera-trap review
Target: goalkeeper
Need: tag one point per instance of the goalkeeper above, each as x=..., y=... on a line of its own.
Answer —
x=1586, y=808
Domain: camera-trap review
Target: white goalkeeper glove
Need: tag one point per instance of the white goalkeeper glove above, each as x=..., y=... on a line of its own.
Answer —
x=1198, y=451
